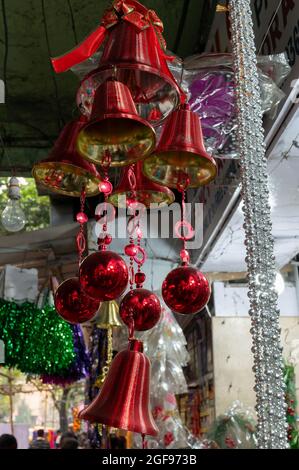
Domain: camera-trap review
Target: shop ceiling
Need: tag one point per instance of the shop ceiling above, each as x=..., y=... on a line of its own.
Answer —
x=38, y=102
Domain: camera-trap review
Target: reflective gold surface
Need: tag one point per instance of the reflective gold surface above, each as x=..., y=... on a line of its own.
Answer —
x=145, y=197
x=64, y=178
x=107, y=315
x=166, y=168
x=126, y=140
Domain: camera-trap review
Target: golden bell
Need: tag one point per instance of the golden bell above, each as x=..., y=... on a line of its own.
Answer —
x=65, y=171
x=181, y=154
x=107, y=315
x=115, y=130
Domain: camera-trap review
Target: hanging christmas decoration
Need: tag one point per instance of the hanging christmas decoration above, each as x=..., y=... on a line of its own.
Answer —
x=108, y=315
x=186, y=290
x=104, y=275
x=13, y=217
x=136, y=47
x=72, y=304
x=36, y=340
x=115, y=128
x=181, y=151
x=123, y=401
x=80, y=367
x=269, y=386
x=134, y=186
x=142, y=307
x=65, y=171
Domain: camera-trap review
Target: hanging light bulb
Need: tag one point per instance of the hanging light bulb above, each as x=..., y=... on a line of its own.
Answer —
x=13, y=217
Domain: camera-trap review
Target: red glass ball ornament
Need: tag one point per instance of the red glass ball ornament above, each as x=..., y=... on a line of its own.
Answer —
x=145, y=307
x=186, y=290
x=104, y=275
x=72, y=304
x=131, y=250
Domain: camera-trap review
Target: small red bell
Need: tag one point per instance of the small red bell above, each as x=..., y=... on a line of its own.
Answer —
x=115, y=129
x=123, y=401
x=139, y=62
x=146, y=191
x=181, y=154
x=65, y=171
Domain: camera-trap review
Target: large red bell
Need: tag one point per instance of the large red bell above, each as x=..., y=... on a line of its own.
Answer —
x=140, y=63
x=123, y=401
x=65, y=171
x=115, y=129
x=181, y=155
x=145, y=191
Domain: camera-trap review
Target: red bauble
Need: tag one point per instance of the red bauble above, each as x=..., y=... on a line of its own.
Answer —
x=186, y=290
x=145, y=307
x=104, y=275
x=72, y=304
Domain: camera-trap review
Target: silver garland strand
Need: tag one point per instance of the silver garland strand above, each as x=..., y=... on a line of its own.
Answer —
x=264, y=312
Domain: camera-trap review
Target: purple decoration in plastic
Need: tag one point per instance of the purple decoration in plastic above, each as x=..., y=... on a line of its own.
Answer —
x=213, y=99
x=80, y=367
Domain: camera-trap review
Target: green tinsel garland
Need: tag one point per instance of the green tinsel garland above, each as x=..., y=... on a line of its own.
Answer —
x=36, y=341
x=291, y=400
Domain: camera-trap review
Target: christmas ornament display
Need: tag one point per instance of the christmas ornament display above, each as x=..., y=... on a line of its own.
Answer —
x=13, y=217
x=115, y=128
x=123, y=401
x=134, y=186
x=136, y=48
x=186, y=290
x=65, y=171
x=142, y=307
x=37, y=341
x=79, y=369
x=108, y=315
x=104, y=275
x=180, y=152
x=260, y=259
x=72, y=304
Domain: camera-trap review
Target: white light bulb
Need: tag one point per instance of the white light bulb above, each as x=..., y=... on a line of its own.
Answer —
x=13, y=217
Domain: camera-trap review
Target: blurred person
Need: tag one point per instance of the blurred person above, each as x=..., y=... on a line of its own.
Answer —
x=67, y=435
x=83, y=441
x=8, y=441
x=40, y=442
x=69, y=443
x=58, y=439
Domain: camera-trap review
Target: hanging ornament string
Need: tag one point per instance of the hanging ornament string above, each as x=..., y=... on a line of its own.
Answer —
x=105, y=186
x=82, y=219
x=264, y=312
x=183, y=225
x=100, y=380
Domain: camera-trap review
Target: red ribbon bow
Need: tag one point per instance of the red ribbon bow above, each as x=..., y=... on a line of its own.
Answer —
x=126, y=10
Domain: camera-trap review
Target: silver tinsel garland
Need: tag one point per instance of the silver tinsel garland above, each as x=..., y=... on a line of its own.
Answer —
x=264, y=312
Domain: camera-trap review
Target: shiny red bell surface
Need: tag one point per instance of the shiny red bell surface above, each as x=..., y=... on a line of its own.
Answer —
x=65, y=171
x=186, y=290
x=115, y=129
x=146, y=191
x=144, y=306
x=123, y=401
x=72, y=304
x=135, y=58
x=104, y=275
x=181, y=154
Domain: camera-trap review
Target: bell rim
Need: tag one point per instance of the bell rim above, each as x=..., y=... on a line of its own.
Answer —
x=169, y=197
x=195, y=184
x=129, y=66
x=88, y=175
x=133, y=117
